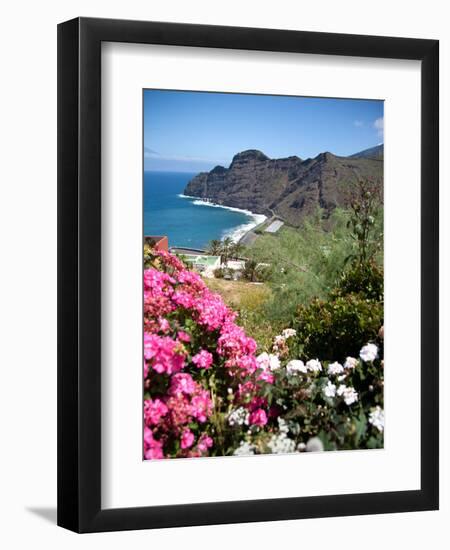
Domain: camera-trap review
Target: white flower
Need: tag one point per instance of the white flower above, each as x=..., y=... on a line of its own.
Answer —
x=335, y=368
x=314, y=365
x=376, y=418
x=281, y=444
x=244, y=449
x=283, y=425
x=279, y=340
x=349, y=394
x=288, y=333
x=268, y=361
x=342, y=377
x=369, y=352
x=263, y=360
x=350, y=363
x=329, y=390
x=295, y=366
x=238, y=417
x=314, y=445
x=274, y=362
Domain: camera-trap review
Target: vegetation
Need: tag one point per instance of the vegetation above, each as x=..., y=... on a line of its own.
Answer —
x=293, y=188
x=366, y=198
x=208, y=393
x=308, y=262
x=227, y=249
x=335, y=328
x=287, y=359
x=248, y=301
x=256, y=272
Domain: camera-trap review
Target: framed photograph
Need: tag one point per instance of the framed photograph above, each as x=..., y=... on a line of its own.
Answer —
x=247, y=275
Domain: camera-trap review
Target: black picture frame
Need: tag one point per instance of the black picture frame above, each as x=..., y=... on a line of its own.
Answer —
x=79, y=274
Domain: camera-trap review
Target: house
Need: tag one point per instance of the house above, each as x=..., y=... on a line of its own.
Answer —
x=157, y=242
x=198, y=260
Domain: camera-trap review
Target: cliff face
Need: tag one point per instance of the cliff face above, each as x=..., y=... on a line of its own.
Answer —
x=288, y=187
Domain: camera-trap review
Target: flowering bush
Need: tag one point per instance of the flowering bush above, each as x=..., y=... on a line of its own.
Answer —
x=209, y=392
x=338, y=327
x=199, y=366
x=319, y=405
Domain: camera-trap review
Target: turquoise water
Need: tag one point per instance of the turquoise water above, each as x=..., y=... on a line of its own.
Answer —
x=188, y=221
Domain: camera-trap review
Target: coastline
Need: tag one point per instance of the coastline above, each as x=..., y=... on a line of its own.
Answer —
x=235, y=233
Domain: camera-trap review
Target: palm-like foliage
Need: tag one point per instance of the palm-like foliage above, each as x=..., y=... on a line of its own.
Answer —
x=214, y=247
x=227, y=249
x=237, y=250
x=251, y=271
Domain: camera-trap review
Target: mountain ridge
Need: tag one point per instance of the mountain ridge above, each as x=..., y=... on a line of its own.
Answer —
x=376, y=152
x=290, y=187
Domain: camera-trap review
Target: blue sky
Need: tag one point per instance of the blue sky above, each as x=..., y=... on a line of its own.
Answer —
x=194, y=131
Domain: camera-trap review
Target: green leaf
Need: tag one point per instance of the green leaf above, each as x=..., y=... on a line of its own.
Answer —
x=361, y=426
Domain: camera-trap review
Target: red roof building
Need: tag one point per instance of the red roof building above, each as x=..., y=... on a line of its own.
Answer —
x=157, y=242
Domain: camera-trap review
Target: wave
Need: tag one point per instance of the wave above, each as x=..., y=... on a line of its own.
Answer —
x=235, y=233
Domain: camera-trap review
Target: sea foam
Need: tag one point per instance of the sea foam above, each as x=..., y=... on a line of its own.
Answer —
x=235, y=233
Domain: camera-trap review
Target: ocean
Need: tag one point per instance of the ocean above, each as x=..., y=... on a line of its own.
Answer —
x=188, y=221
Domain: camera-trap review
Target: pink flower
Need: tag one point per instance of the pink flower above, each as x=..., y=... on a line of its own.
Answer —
x=182, y=383
x=165, y=354
x=183, y=336
x=158, y=281
x=181, y=314
x=180, y=411
x=266, y=376
x=257, y=402
x=201, y=405
x=170, y=260
x=150, y=345
x=258, y=418
x=247, y=363
x=163, y=325
x=191, y=279
x=203, y=359
x=154, y=410
x=233, y=343
x=187, y=439
x=152, y=447
x=183, y=298
x=204, y=443
x=211, y=311
x=246, y=391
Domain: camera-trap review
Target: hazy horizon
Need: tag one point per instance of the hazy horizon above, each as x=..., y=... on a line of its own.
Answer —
x=182, y=170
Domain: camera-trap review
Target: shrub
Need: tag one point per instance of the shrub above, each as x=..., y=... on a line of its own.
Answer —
x=304, y=262
x=256, y=272
x=364, y=279
x=208, y=393
x=320, y=405
x=338, y=327
x=365, y=208
x=198, y=366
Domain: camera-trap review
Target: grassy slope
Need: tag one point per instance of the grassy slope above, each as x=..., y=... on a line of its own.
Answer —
x=238, y=294
x=305, y=263
x=249, y=300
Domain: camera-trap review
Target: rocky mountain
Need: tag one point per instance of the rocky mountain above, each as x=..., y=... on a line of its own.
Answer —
x=289, y=188
x=376, y=152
